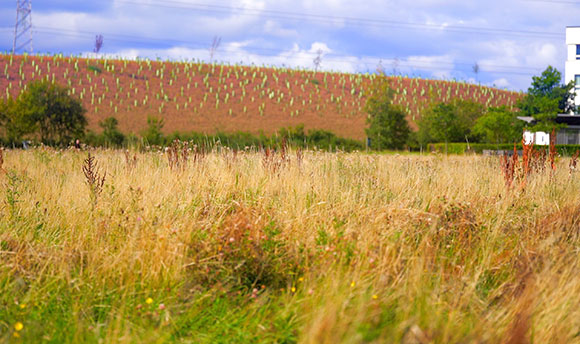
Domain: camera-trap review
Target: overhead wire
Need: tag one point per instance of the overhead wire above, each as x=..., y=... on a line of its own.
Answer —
x=334, y=19
x=555, y=1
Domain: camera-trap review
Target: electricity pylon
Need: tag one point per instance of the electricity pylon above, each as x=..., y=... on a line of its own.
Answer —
x=23, y=27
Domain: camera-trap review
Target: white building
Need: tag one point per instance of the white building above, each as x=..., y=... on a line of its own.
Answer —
x=572, y=72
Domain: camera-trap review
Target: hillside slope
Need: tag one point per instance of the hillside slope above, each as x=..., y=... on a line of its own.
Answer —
x=193, y=96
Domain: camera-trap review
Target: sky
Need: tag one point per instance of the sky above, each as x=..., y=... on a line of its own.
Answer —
x=510, y=40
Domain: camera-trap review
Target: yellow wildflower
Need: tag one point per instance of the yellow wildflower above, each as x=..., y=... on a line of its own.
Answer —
x=18, y=326
x=149, y=301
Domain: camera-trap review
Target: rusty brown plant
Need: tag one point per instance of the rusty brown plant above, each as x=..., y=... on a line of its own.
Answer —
x=130, y=161
x=178, y=155
x=552, y=156
x=94, y=179
x=1, y=159
x=574, y=161
x=508, y=166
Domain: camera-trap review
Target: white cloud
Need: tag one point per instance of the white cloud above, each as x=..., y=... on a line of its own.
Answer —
x=441, y=66
x=320, y=47
x=295, y=57
x=543, y=55
x=250, y=4
x=501, y=83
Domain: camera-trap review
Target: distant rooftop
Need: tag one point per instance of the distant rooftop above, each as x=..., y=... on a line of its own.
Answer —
x=573, y=120
x=527, y=119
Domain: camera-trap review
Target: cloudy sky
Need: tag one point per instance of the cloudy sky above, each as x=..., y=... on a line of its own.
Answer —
x=510, y=40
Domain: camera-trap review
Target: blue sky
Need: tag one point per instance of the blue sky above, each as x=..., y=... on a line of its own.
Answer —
x=510, y=40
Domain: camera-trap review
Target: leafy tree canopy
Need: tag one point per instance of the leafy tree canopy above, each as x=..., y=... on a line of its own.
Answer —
x=546, y=98
x=449, y=122
x=111, y=134
x=48, y=110
x=13, y=125
x=499, y=125
x=388, y=126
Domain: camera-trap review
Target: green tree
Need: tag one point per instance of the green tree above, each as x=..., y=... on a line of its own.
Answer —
x=14, y=124
x=546, y=98
x=111, y=134
x=499, y=125
x=440, y=124
x=449, y=122
x=49, y=110
x=153, y=134
x=388, y=126
x=468, y=112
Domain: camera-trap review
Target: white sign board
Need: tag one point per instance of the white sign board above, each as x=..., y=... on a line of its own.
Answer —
x=539, y=138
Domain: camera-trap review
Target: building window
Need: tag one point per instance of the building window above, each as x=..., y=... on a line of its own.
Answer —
x=577, y=80
x=577, y=49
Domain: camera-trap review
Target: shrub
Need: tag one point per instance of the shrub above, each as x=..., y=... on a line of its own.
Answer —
x=48, y=110
x=462, y=148
x=245, y=252
x=153, y=135
x=111, y=134
x=324, y=139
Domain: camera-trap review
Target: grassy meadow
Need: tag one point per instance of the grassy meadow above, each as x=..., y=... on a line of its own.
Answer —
x=309, y=247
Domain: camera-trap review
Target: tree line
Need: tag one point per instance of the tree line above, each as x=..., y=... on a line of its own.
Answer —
x=48, y=113
x=466, y=120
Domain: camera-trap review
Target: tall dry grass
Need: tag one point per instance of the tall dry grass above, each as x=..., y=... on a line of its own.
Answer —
x=306, y=247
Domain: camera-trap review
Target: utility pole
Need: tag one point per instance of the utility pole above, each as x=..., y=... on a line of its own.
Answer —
x=318, y=60
x=214, y=47
x=23, y=27
x=475, y=69
x=98, y=44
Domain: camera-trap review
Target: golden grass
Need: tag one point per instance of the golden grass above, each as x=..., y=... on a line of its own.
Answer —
x=342, y=247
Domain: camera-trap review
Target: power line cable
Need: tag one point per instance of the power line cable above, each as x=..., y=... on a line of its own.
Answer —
x=212, y=8
x=555, y=1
